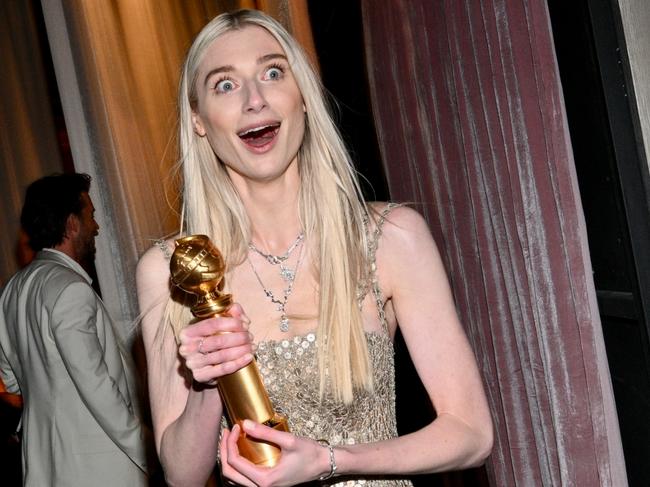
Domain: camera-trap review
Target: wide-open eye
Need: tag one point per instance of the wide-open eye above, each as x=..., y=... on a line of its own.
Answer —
x=274, y=72
x=225, y=85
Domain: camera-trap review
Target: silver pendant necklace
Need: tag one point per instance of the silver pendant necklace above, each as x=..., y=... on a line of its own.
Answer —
x=288, y=275
x=278, y=259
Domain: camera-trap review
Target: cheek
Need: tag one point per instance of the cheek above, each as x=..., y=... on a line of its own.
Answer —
x=220, y=130
x=297, y=101
x=216, y=121
x=300, y=118
x=300, y=127
x=294, y=107
x=222, y=146
x=219, y=113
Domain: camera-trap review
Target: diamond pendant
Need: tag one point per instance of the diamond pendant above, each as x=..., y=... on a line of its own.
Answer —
x=284, y=323
x=287, y=274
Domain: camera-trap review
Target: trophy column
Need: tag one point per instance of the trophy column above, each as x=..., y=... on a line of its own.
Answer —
x=197, y=267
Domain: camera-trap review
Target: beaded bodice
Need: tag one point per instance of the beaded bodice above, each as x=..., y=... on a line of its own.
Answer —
x=290, y=373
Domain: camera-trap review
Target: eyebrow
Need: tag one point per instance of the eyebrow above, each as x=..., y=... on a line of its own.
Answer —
x=228, y=67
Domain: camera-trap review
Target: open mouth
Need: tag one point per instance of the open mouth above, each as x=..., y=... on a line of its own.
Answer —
x=260, y=136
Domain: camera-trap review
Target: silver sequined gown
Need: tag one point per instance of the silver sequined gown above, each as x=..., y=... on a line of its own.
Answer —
x=290, y=373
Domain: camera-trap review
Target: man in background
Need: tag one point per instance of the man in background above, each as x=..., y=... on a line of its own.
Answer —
x=60, y=350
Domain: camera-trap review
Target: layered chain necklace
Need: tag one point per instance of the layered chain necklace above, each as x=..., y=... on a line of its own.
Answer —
x=288, y=275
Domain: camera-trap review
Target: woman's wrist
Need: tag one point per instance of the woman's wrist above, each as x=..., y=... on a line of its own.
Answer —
x=330, y=471
x=204, y=386
x=204, y=401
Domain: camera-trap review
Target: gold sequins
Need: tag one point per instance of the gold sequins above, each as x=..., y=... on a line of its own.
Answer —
x=290, y=371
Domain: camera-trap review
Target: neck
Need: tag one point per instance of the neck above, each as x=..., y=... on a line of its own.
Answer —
x=67, y=248
x=274, y=228
x=272, y=208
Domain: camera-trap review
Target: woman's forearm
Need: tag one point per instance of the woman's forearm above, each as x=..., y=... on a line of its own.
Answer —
x=189, y=445
x=447, y=443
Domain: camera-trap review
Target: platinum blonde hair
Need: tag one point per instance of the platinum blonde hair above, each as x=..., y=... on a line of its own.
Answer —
x=331, y=208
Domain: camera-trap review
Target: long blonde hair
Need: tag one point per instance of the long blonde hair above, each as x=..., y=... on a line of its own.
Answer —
x=331, y=208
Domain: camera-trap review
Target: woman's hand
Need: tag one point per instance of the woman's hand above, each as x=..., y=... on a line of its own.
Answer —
x=216, y=347
x=302, y=459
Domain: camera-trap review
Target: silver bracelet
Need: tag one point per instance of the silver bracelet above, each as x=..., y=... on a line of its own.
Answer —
x=333, y=467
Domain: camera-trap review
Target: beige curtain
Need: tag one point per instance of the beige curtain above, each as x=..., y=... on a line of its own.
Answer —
x=117, y=66
x=28, y=137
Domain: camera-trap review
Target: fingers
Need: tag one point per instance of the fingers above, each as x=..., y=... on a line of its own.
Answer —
x=207, y=344
x=236, y=311
x=258, y=431
x=258, y=474
x=237, y=321
x=301, y=459
x=217, y=346
x=236, y=462
x=228, y=449
x=206, y=368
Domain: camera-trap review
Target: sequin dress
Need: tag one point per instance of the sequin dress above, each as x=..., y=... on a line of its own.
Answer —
x=290, y=373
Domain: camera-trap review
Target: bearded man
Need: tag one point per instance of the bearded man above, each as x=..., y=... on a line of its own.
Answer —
x=61, y=351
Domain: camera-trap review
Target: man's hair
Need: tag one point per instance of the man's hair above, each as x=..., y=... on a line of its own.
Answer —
x=49, y=202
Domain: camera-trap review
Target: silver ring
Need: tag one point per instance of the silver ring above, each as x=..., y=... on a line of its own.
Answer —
x=200, y=346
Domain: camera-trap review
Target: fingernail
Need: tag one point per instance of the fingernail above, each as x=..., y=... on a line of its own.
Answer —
x=248, y=356
x=247, y=424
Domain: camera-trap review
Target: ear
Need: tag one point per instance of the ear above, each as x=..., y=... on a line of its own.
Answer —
x=72, y=225
x=198, y=125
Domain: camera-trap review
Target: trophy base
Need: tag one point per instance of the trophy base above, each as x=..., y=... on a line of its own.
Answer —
x=263, y=453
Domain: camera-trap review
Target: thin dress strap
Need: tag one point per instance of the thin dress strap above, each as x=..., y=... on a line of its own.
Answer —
x=162, y=245
x=373, y=244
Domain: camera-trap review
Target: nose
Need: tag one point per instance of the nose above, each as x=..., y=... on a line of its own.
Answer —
x=255, y=101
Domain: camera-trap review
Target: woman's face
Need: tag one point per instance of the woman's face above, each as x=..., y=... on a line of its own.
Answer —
x=249, y=105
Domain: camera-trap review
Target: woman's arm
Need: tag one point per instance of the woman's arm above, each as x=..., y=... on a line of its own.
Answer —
x=412, y=276
x=186, y=408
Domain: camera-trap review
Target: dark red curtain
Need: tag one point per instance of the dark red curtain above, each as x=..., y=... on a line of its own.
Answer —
x=471, y=124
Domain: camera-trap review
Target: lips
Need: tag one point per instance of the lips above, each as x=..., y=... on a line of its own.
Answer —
x=260, y=135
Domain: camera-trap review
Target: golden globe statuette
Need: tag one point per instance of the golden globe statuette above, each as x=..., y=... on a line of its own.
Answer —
x=197, y=267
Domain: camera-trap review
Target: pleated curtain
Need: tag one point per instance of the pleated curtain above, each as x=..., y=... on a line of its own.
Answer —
x=29, y=146
x=472, y=130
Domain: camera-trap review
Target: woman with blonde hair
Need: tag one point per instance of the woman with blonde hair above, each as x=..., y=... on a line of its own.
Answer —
x=321, y=281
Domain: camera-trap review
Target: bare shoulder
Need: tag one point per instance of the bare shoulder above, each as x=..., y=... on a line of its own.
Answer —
x=155, y=259
x=406, y=251
x=152, y=283
x=404, y=228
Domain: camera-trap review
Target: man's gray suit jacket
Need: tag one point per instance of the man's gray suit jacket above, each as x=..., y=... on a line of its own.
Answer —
x=59, y=349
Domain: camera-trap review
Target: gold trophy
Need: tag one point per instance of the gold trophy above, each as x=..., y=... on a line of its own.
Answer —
x=197, y=267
